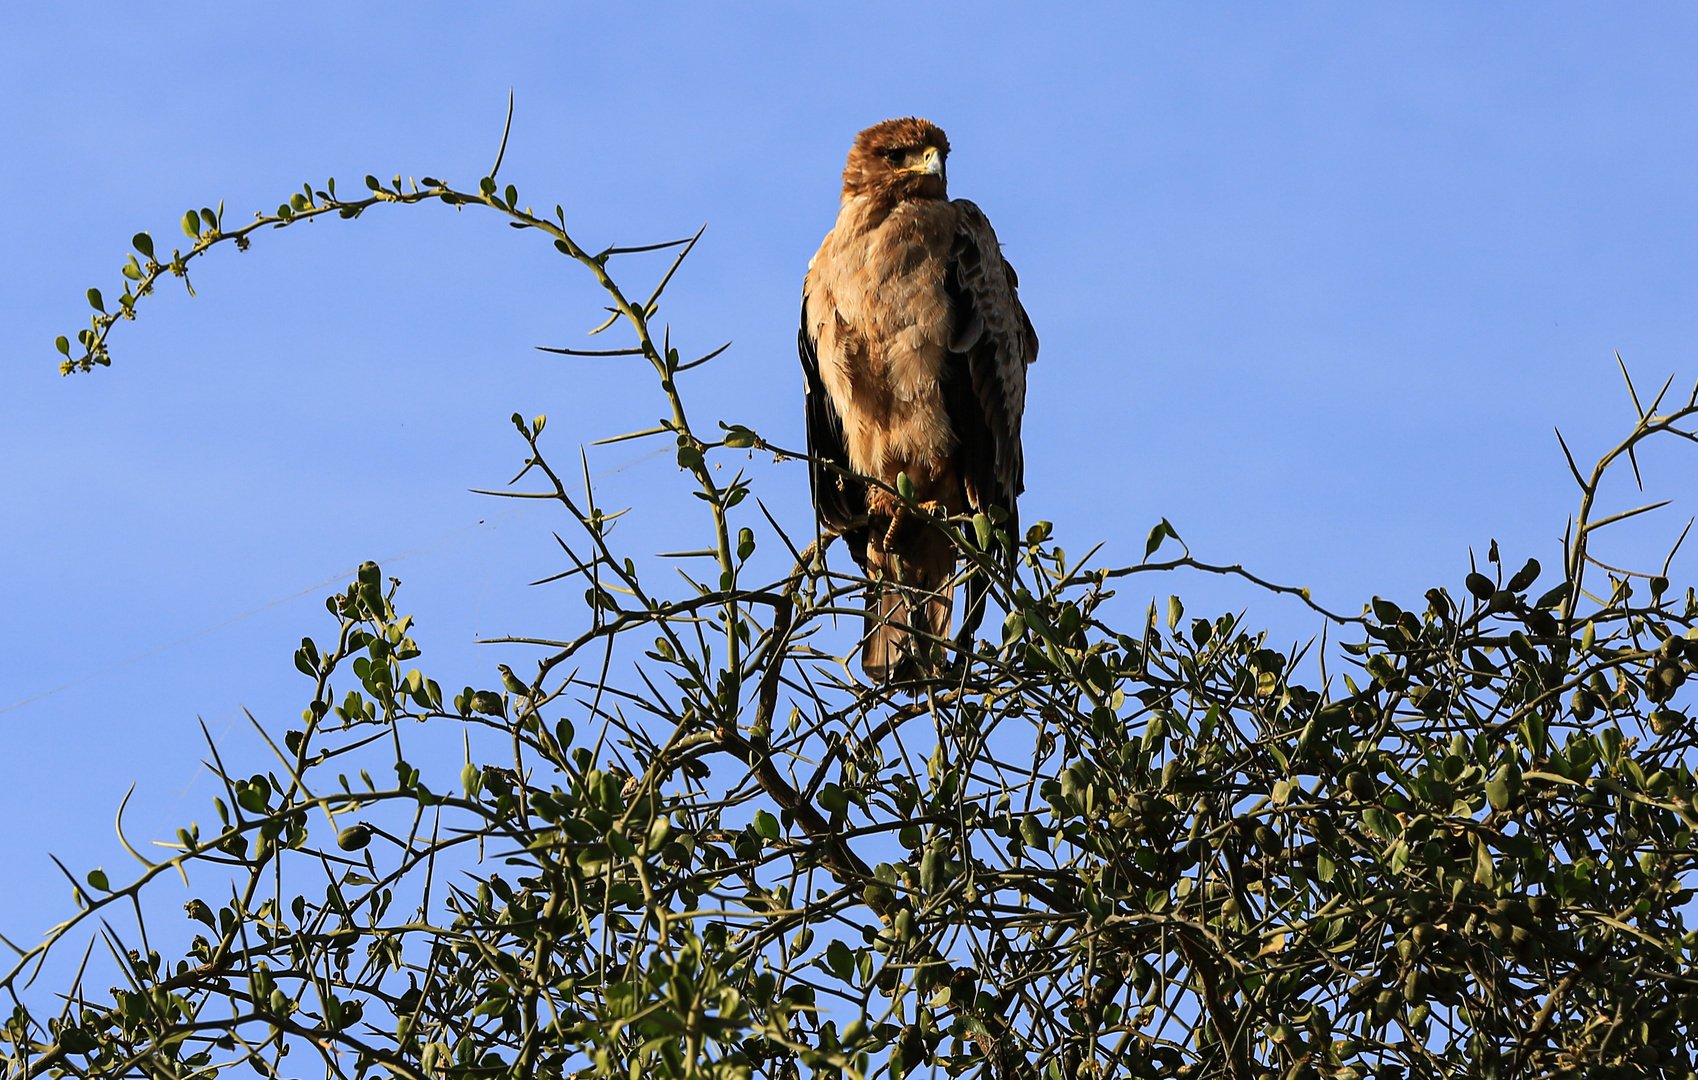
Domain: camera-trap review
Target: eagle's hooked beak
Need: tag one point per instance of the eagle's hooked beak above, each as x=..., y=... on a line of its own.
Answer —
x=930, y=163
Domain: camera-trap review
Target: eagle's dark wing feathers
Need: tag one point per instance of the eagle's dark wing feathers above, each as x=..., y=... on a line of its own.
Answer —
x=991, y=345
x=984, y=389
x=838, y=499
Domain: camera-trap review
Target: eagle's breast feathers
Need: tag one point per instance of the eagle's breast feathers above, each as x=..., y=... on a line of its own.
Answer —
x=881, y=321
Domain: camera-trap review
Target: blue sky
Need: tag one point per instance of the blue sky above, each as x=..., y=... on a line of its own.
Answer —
x=1313, y=281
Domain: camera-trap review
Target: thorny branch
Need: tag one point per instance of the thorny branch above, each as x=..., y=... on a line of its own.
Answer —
x=1098, y=844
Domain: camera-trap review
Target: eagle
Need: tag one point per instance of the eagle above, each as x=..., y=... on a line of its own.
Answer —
x=914, y=346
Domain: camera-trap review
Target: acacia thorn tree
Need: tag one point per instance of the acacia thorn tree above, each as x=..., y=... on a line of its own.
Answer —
x=1453, y=839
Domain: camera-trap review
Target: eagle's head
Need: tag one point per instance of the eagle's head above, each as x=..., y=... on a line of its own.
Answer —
x=898, y=160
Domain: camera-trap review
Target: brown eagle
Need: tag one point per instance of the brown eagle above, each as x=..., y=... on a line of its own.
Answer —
x=915, y=348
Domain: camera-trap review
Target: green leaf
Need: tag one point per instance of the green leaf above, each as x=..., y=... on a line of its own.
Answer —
x=97, y=878
x=904, y=925
x=1480, y=585
x=1154, y=728
x=904, y=486
x=839, y=959
x=143, y=243
x=353, y=838
x=1175, y=612
x=254, y=794
x=1013, y=626
x=1524, y=577
x=191, y=225
x=95, y=302
x=621, y=844
x=1162, y=531
x=1157, y=535
x=767, y=825
x=1399, y=857
x=1555, y=597
x=1485, y=873
x=740, y=437
x=1380, y=823
x=1504, y=788
x=1032, y=833
x=1381, y=668
x=63, y=344
x=1523, y=648
x=200, y=912
x=659, y=829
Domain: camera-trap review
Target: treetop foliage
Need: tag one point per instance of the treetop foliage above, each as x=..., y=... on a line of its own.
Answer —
x=1451, y=838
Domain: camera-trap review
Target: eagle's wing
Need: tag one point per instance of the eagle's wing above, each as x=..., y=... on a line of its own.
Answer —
x=992, y=342
x=838, y=499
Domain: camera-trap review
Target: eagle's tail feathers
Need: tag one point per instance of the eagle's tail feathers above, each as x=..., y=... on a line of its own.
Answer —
x=908, y=606
x=888, y=655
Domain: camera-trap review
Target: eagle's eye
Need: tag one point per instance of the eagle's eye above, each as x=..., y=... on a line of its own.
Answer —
x=894, y=155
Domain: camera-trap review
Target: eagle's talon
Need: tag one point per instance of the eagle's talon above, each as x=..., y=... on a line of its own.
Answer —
x=881, y=503
x=897, y=520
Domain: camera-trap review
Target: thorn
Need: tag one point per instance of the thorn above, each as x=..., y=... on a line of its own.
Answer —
x=1631, y=392
x=505, y=131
